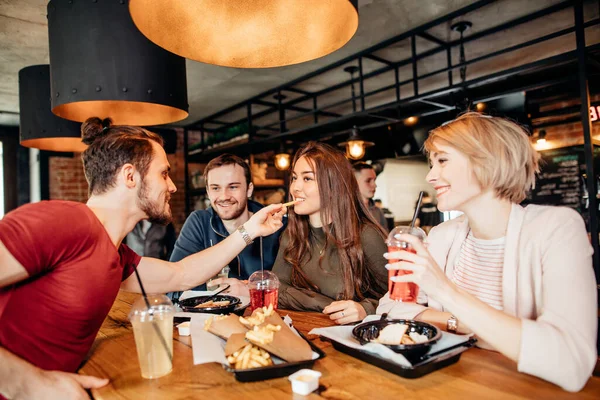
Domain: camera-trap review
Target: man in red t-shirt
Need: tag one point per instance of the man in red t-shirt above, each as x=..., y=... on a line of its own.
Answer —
x=62, y=263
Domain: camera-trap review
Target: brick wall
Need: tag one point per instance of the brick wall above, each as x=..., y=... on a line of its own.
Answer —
x=566, y=134
x=67, y=181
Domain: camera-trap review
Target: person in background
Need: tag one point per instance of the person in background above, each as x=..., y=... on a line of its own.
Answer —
x=63, y=263
x=152, y=240
x=428, y=215
x=520, y=279
x=365, y=176
x=329, y=259
x=228, y=186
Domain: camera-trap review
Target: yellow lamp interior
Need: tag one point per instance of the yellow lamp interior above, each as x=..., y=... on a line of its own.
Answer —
x=247, y=33
x=67, y=144
x=121, y=112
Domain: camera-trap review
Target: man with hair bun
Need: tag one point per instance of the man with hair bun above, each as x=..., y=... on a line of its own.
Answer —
x=63, y=263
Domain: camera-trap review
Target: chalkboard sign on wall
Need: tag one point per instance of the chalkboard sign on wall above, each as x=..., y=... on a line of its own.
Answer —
x=561, y=181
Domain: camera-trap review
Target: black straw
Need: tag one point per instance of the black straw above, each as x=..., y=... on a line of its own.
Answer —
x=154, y=324
x=412, y=223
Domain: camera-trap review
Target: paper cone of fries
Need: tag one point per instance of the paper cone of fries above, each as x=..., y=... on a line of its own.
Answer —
x=278, y=339
x=235, y=342
x=225, y=326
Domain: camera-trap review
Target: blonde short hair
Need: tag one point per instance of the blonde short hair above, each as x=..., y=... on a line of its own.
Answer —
x=499, y=151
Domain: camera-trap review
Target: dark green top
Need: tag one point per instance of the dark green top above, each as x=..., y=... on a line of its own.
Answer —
x=328, y=276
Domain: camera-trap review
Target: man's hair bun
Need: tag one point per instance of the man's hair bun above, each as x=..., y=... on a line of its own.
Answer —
x=94, y=128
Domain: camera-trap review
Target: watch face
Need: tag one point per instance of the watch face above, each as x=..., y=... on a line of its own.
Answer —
x=452, y=324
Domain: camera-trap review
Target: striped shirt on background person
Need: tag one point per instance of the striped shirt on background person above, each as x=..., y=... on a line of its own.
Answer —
x=478, y=269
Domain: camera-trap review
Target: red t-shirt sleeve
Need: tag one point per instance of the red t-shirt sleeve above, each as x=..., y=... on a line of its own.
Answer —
x=39, y=235
x=129, y=259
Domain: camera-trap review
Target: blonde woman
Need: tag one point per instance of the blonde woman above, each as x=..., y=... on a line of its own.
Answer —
x=520, y=279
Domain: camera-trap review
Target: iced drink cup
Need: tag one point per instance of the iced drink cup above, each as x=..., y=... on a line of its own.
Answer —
x=153, y=333
x=403, y=291
x=264, y=289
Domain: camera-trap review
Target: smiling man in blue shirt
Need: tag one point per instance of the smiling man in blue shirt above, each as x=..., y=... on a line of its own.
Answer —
x=228, y=185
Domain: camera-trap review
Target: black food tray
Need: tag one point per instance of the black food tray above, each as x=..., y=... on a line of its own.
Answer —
x=277, y=370
x=438, y=360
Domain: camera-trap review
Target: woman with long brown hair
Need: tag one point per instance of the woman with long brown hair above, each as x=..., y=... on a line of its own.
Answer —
x=329, y=258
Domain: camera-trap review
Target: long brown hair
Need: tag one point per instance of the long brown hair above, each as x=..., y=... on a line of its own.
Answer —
x=342, y=205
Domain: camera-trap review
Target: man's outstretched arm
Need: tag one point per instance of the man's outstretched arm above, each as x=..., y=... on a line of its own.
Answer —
x=160, y=276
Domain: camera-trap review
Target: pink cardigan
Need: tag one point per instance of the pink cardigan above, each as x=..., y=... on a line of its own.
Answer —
x=548, y=282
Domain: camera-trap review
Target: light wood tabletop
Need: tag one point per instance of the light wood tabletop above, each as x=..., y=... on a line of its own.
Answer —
x=479, y=374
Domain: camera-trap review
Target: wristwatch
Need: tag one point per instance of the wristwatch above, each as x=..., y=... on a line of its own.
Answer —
x=452, y=324
x=245, y=234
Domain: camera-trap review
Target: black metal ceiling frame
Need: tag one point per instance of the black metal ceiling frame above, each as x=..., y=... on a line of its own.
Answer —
x=280, y=107
x=579, y=56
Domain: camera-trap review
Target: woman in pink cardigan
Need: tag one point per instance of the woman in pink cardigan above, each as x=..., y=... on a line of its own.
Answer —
x=520, y=279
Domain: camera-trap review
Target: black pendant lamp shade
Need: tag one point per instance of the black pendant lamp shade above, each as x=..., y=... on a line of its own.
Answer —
x=39, y=128
x=247, y=33
x=101, y=65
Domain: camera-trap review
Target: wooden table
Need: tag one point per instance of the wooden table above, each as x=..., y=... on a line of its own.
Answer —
x=479, y=374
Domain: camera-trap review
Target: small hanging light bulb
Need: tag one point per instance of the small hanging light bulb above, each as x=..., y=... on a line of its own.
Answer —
x=355, y=149
x=282, y=161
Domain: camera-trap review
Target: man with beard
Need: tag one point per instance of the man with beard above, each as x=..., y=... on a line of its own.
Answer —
x=228, y=185
x=62, y=263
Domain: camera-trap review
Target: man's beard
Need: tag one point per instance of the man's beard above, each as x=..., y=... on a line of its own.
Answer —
x=152, y=209
x=235, y=213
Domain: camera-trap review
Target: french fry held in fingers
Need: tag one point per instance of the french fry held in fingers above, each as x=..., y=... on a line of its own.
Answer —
x=249, y=356
x=291, y=203
x=224, y=326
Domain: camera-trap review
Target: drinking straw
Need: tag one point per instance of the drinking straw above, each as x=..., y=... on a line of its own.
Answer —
x=412, y=225
x=262, y=272
x=154, y=324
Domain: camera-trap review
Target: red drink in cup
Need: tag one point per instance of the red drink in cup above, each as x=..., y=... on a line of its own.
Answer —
x=263, y=298
x=403, y=291
x=264, y=289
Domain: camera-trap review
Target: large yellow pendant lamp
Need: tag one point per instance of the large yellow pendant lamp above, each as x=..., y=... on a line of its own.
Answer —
x=247, y=33
x=39, y=128
x=101, y=65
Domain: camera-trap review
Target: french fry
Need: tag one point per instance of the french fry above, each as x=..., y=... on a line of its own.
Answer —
x=249, y=357
x=289, y=203
x=262, y=335
x=258, y=316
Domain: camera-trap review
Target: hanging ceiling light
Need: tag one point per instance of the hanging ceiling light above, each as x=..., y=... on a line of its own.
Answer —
x=410, y=121
x=282, y=159
x=101, y=65
x=247, y=33
x=38, y=127
x=355, y=145
x=541, y=137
